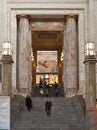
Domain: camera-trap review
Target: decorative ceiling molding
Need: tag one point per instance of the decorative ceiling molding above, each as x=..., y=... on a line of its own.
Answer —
x=47, y=26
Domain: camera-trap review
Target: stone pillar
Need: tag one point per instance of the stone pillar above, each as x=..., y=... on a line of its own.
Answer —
x=30, y=62
x=71, y=56
x=24, y=54
x=7, y=61
x=90, y=71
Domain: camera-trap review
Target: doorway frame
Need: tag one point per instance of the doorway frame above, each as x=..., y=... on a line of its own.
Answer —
x=48, y=9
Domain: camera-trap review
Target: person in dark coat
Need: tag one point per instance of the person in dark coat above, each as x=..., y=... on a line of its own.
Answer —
x=28, y=102
x=48, y=105
x=56, y=89
x=41, y=83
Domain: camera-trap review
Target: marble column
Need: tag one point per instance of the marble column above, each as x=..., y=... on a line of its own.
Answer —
x=30, y=62
x=90, y=71
x=24, y=54
x=70, y=55
x=6, y=61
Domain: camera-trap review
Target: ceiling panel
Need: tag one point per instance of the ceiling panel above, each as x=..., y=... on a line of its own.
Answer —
x=47, y=40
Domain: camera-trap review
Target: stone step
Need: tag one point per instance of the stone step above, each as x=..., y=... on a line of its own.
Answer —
x=63, y=116
x=36, y=92
x=49, y=128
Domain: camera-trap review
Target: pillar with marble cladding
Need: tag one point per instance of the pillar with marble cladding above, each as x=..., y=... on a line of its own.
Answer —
x=24, y=55
x=70, y=56
x=30, y=62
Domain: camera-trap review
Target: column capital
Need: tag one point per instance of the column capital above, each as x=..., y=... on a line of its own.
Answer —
x=24, y=16
x=71, y=16
x=90, y=59
x=6, y=60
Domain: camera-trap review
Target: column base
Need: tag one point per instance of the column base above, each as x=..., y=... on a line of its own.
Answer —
x=71, y=92
x=1, y=93
x=91, y=120
x=23, y=91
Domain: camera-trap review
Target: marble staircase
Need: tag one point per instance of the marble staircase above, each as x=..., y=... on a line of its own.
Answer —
x=36, y=92
x=17, y=105
x=64, y=116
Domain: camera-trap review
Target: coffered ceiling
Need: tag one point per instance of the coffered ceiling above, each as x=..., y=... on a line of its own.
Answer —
x=47, y=32
x=44, y=40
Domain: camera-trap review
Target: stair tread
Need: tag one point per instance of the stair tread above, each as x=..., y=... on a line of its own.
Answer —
x=63, y=116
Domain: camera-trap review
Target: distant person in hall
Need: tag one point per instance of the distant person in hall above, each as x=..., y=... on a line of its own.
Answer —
x=41, y=83
x=56, y=89
x=47, y=89
x=28, y=102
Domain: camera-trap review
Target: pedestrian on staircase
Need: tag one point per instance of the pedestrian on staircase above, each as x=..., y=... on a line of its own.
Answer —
x=48, y=105
x=28, y=102
x=56, y=89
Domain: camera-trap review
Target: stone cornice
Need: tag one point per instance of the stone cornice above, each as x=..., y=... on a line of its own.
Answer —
x=47, y=1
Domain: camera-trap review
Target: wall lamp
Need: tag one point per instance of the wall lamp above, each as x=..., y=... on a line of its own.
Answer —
x=90, y=49
x=62, y=56
x=7, y=48
x=32, y=56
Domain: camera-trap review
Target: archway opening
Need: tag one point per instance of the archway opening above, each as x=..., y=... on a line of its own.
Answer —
x=47, y=46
